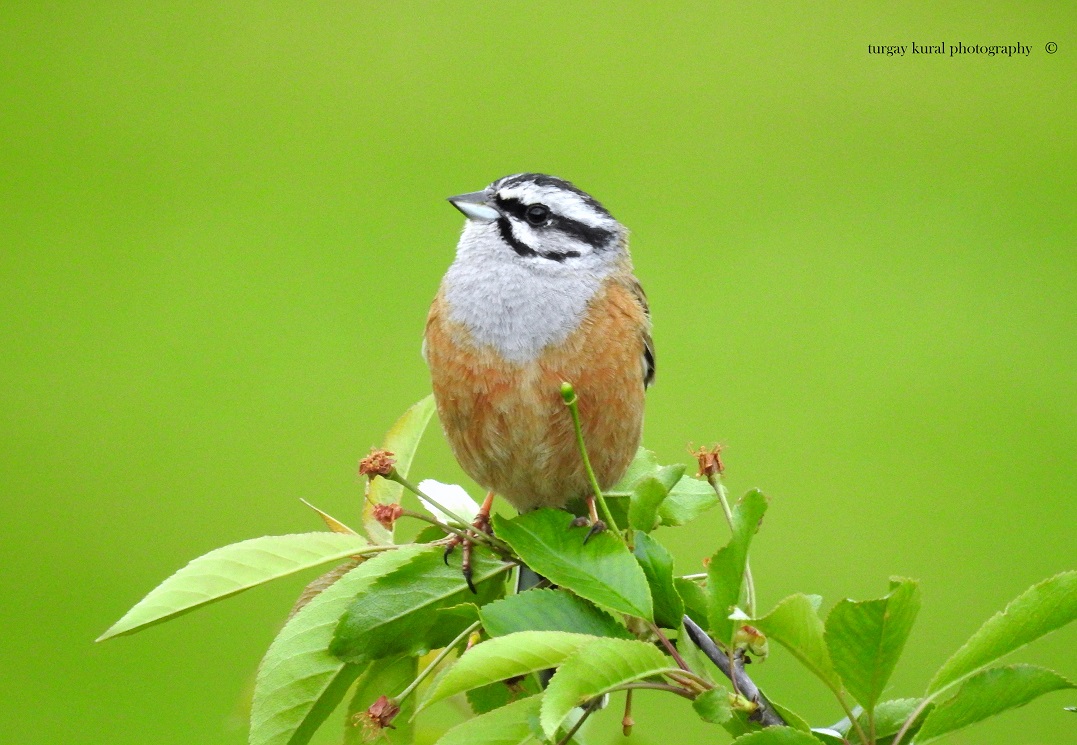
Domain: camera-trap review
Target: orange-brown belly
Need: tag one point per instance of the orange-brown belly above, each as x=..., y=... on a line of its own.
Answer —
x=506, y=422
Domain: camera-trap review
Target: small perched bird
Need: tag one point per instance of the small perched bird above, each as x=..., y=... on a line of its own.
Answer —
x=541, y=292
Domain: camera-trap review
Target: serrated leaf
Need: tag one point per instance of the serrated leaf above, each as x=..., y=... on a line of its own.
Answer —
x=299, y=682
x=741, y=724
x=593, y=670
x=777, y=736
x=1037, y=611
x=987, y=693
x=794, y=623
x=686, y=501
x=549, y=610
x=601, y=570
x=509, y=725
x=713, y=706
x=232, y=569
x=398, y=614
x=657, y=565
x=505, y=657
x=382, y=678
x=725, y=574
x=644, y=502
x=402, y=440
x=866, y=638
x=695, y=601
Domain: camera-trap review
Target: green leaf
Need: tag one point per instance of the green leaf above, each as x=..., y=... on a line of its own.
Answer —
x=645, y=463
x=231, y=569
x=987, y=693
x=695, y=600
x=593, y=670
x=429, y=534
x=686, y=501
x=657, y=564
x=549, y=610
x=299, y=683
x=509, y=725
x=725, y=574
x=777, y=736
x=505, y=657
x=890, y=716
x=791, y=718
x=794, y=623
x=601, y=570
x=382, y=678
x=398, y=614
x=402, y=440
x=866, y=638
x=643, y=504
x=1039, y=610
x=713, y=706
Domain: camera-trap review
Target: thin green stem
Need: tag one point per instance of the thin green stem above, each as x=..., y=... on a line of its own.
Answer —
x=669, y=646
x=923, y=705
x=588, y=710
x=434, y=521
x=478, y=536
x=749, y=583
x=437, y=661
x=927, y=702
x=852, y=718
x=568, y=393
x=682, y=692
x=687, y=679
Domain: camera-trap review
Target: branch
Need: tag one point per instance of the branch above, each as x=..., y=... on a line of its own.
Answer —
x=766, y=714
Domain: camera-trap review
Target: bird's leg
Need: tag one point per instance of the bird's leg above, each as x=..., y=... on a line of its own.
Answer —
x=593, y=520
x=481, y=522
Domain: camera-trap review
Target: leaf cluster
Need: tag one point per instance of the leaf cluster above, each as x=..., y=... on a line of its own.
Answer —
x=395, y=630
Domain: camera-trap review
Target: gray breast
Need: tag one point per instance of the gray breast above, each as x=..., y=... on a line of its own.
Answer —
x=514, y=308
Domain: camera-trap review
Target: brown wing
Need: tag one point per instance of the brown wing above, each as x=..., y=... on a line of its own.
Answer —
x=648, y=342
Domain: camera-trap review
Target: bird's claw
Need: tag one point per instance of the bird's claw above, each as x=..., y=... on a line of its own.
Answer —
x=596, y=526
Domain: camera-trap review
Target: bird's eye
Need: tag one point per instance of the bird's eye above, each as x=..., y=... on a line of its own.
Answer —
x=537, y=214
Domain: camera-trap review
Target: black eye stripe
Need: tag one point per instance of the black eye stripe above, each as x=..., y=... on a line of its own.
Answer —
x=595, y=237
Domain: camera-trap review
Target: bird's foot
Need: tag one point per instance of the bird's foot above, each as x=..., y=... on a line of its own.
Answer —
x=596, y=525
x=481, y=524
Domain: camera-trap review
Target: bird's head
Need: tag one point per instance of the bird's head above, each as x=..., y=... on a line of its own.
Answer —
x=540, y=221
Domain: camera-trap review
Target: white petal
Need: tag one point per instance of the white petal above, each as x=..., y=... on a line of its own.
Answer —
x=451, y=497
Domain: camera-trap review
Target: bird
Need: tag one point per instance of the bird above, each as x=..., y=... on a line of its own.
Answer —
x=541, y=292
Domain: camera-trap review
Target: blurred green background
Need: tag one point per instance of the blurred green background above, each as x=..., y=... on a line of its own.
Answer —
x=222, y=226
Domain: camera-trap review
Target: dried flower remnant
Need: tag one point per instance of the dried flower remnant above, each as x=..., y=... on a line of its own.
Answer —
x=710, y=461
x=387, y=514
x=378, y=463
x=377, y=718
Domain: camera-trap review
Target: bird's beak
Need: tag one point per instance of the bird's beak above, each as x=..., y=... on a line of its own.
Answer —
x=475, y=205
